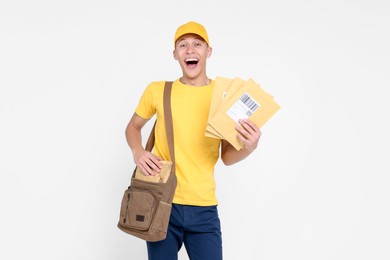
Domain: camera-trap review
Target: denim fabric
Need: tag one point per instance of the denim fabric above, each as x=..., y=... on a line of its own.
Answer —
x=198, y=227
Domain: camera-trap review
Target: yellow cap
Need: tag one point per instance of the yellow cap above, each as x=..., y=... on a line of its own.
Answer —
x=191, y=27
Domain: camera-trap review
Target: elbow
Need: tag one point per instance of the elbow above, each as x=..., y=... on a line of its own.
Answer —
x=127, y=130
x=127, y=133
x=228, y=154
x=226, y=161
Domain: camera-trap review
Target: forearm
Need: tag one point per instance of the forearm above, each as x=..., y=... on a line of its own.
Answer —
x=148, y=163
x=230, y=155
x=134, y=138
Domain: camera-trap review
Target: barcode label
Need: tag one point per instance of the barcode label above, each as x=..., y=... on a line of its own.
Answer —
x=243, y=108
x=249, y=103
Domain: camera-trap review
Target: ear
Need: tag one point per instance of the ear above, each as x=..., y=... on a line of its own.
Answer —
x=174, y=55
x=209, y=52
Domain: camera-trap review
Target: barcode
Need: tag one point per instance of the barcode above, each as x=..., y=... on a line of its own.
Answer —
x=249, y=103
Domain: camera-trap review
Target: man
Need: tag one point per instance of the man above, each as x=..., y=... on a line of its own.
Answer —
x=194, y=218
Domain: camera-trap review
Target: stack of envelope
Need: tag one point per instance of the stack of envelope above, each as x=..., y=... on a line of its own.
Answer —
x=235, y=99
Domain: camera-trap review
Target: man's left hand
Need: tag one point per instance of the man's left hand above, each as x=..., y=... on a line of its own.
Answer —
x=249, y=134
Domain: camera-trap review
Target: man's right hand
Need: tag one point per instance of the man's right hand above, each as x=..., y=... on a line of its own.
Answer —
x=148, y=163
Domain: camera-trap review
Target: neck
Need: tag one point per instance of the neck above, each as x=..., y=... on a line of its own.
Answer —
x=195, y=82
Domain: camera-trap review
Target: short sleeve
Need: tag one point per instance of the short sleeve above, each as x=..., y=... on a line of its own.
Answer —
x=146, y=107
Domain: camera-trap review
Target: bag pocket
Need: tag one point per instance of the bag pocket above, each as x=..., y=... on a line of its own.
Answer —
x=162, y=217
x=138, y=208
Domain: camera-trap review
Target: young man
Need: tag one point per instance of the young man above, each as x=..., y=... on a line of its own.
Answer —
x=194, y=218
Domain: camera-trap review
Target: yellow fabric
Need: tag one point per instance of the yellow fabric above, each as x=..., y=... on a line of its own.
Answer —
x=191, y=27
x=195, y=154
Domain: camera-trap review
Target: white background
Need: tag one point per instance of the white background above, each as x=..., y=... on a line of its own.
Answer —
x=71, y=74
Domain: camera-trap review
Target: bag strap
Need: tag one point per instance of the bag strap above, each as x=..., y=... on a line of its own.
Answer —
x=170, y=187
x=168, y=121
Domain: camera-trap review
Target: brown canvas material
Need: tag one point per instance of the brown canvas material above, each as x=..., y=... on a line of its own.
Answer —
x=146, y=206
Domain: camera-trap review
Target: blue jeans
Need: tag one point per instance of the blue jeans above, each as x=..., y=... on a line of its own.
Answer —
x=198, y=227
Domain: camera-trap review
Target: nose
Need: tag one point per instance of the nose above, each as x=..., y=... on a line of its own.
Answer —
x=190, y=48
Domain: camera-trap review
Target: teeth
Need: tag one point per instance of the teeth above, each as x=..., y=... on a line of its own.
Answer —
x=187, y=60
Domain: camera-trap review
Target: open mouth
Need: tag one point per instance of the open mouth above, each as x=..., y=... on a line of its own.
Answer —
x=191, y=62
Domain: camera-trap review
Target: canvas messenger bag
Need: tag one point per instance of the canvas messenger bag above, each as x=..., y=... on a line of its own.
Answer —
x=146, y=205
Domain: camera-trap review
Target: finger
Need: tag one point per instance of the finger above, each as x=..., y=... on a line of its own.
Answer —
x=244, y=133
x=156, y=160
x=144, y=165
x=154, y=164
x=148, y=167
x=246, y=144
x=252, y=128
x=240, y=128
x=145, y=170
x=249, y=125
x=242, y=139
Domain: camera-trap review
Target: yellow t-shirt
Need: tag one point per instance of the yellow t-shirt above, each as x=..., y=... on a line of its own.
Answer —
x=195, y=154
